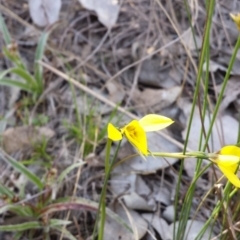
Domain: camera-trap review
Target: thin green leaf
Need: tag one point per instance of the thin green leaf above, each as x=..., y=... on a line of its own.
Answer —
x=21, y=226
x=5, y=191
x=5, y=72
x=4, y=30
x=32, y=225
x=25, y=75
x=77, y=203
x=69, y=169
x=14, y=58
x=14, y=83
x=38, y=69
x=22, y=169
x=24, y=211
x=58, y=222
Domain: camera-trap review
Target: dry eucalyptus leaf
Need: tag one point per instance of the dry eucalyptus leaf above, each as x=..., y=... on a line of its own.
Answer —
x=136, y=202
x=115, y=91
x=231, y=93
x=193, y=228
x=159, y=224
x=153, y=75
x=189, y=41
x=44, y=12
x=162, y=194
x=223, y=133
x=113, y=230
x=157, y=99
x=169, y=213
x=21, y=138
x=213, y=66
x=123, y=180
x=107, y=10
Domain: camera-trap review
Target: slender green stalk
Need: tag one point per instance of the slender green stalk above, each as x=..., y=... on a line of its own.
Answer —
x=225, y=81
x=102, y=204
x=179, y=234
x=227, y=189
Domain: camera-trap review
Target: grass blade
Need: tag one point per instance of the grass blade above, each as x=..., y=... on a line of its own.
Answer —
x=22, y=169
x=69, y=169
x=32, y=225
x=38, y=69
x=5, y=191
x=24, y=75
x=14, y=83
x=3, y=27
x=24, y=211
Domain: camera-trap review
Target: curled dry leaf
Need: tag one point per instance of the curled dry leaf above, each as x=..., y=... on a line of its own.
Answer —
x=231, y=93
x=115, y=91
x=155, y=99
x=107, y=10
x=134, y=201
x=189, y=40
x=153, y=75
x=114, y=230
x=169, y=213
x=159, y=224
x=44, y=12
x=193, y=228
x=21, y=138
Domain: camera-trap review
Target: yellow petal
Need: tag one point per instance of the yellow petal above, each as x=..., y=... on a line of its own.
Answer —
x=227, y=160
x=113, y=133
x=154, y=122
x=236, y=19
x=136, y=136
x=230, y=175
x=230, y=150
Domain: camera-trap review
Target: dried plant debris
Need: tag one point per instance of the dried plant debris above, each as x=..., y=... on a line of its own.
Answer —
x=193, y=228
x=155, y=99
x=44, y=12
x=107, y=10
x=159, y=224
x=231, y=93
x=25, y=137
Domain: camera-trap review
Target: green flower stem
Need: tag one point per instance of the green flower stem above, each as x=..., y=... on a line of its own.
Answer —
x=102, y=204
x=225, y=81
x=180, y=155
x=197, y=154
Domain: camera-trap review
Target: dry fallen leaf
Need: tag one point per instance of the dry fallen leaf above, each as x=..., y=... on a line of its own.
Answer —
x=159, y=224
x=193, y=228
x=153, y=75
x=169, y=213
x=21, y=138
x=107, y=10
x=155, y=99
x=115, y=91
x=113, y=230
x=189, y=40
x=232, y=92
x=44, y=12
x=213, y=66
x=136, y=202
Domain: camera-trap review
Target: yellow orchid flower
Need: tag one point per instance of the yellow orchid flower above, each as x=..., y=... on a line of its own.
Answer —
x=236, y=19
x=135, y=131
x=228, y=162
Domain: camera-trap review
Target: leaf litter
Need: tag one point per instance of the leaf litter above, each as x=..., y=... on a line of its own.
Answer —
x=165, y=77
